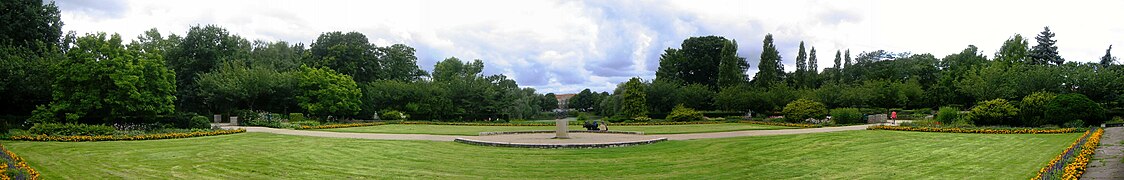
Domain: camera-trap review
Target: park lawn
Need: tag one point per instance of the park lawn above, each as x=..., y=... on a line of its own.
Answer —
x=475, y=130
x=862, y=154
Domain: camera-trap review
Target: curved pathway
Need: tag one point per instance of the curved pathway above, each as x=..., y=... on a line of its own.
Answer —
x=429, y=137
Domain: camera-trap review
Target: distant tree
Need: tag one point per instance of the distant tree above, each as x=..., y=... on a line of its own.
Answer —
x=278, y=55
x=731, y=71
x=583, y=101
x=1014, y=50
x=847, y=59
x=399, y=63
x=669, y=66
x=27, y=23
x=801, y=72
x=698, y=61
x=770, y=70
x=236, y=85
x=1046, y=52
x=348, y=53
x=549, y=102
x=1107, y=59
x=324, y=92
x=102, y=81
x=837, y=60
x=812, y=73
x=633, y=101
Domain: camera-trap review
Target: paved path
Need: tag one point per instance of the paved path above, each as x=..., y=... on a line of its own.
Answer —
x=584, y=140
x=1106, y=163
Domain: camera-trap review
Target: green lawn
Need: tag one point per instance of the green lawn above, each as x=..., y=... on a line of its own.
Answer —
x=475, y=130
x=860, y=154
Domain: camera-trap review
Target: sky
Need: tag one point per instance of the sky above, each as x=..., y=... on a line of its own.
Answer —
x=567, y=46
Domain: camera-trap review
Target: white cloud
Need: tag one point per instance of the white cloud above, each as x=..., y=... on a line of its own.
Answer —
x=566, y=46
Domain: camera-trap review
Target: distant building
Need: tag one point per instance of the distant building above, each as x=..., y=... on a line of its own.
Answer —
x=563, y=100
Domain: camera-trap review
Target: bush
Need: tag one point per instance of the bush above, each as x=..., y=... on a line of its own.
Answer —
x=799, y=110
x=305, y=123
x=394, y=115
x=1068, y=107
x=583, y=116
x=1077, y=123
x=681, y=114
x=56, y=129
x=641, y=119
x=847, y=116
x=616, y=119
x=199, y=122
x=947, y=115
x=296, y=117
x=994, y=112
x=1032, y=109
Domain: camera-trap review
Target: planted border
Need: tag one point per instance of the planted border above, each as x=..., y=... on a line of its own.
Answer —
x=125, y=138
x=799, y=125
x=977, y=131
x=1071, y=163
x=550, y=124
x=329, y=126
x=18, y=164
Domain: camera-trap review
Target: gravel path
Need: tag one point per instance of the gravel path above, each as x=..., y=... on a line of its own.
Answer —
x=585, y=137
x=1106, y=163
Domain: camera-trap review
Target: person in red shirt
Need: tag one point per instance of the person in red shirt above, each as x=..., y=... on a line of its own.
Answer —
x=894, y=117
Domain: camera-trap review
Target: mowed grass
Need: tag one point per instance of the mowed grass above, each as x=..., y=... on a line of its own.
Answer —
x=475, y=130
x=862, y=154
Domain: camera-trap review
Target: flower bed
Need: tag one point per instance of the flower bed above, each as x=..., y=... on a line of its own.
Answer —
x=1074, y=169
x=329, y=126
x=472, y=123
x=124, y=138
x=19, y=165
x=979, y=131
x=664, y=123
x=1052, y=169
x=800, y=125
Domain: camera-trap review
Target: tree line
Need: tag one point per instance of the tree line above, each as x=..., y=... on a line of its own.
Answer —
x=48, y=76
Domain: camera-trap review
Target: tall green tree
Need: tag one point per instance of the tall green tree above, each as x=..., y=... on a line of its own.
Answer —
x=101, y=81
x=811, y=75
x=731, y=71
x=770, y=70
x=201, y=51
x=583, y=101
x=348, y=53
x=31, y=24
x=399, y=63
x=633, y=101
x=801, y=64
x=549, y=102
x=325, y=92
x=1046, y=52
x=241, y=86
x=847, y=58
x=1014, y=50
x=697, y=61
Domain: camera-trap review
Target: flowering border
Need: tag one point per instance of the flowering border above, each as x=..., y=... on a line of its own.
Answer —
x=329, y=126
x=977, y=131
x=1075, y=169
x=19, y=163
x=799, y=125
x=125, y=138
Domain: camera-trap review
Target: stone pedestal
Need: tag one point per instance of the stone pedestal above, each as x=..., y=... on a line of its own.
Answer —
x=562, y=131
x=218, y=118
x=234, y=120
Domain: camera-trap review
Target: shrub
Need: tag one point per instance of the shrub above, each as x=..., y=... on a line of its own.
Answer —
x=616, y=119
x=583, y=116
x=1068, y=107
x=394, y=115
x=1077, y=123
x=847, y=116
x=680, y=114
x=641, y=119
x=306, y=123
x=799, y=110
x=947, y=115
x=296, y=117
x=199, y=122
x=56, y=129
x=1032, y=109
x=994, y=112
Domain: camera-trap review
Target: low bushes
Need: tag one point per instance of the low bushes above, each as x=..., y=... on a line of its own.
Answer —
x=1074, y=106
x=199, y=122
x=394, y=115
x=994, y=112
x=683, y=114
x=947, y=115
x=56, y=129
x=123, y=138
x=847, y=116
x=802, y=109
x=979, y=130
x=21, y=171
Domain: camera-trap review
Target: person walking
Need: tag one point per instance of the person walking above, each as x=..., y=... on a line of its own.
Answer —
x=893, y=117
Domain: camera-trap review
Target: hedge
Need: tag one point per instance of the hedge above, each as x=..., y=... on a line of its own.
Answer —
x=977, y=130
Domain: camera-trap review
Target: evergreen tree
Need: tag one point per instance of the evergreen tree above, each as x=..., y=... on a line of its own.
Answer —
x=811, y=74
x=1107, y=59
x=731, y=70
x=770, y=70
x=1014, y=50
x=847, y=59
x=838, y=58
x=801, y=60
x=1046, y=51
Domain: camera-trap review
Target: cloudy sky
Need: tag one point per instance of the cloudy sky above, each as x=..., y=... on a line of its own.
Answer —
x=566, y=46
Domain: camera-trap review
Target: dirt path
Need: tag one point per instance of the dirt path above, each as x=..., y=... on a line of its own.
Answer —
x=428, y=137
x=1106, y=163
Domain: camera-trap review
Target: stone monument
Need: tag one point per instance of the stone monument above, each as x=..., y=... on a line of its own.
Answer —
x=562, y=131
